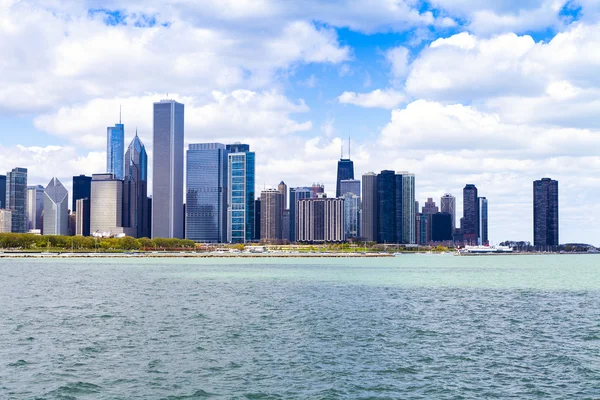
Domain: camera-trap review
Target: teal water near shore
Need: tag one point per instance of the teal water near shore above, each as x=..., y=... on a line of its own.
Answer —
x=410, y=327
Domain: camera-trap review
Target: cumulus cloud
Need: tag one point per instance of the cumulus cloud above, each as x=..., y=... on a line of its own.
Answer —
x=388, y=98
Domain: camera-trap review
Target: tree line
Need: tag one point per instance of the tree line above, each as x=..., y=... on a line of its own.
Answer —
x=27, y=241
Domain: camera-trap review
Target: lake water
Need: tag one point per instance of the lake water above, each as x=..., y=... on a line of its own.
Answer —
x=411, y=327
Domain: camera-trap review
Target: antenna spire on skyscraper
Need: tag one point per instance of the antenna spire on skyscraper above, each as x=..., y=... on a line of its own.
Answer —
x=119, y=113
x=349, y=155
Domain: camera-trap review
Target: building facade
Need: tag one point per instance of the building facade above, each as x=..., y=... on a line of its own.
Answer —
x=316, y=189
x=408, y=208
x=283, y=189
x=240, y=203
x=16, y=198
x=5, y=220
x=82, y=223
x=167, y=167
x=441, y=227
x=206, y=194
x=82, y=189
x=135, y=189
x=345, y=170
x=115, y=149
x=369, y=225
x=448, y=206
x=545, y=213
x=352, y=215
x=429, y=208
x=35, y=208
x=2, y=191
x=320, y=220
x=271, y=202
x=106, y=205
x=483, y=221
x=296, y=194
x=350, y=186
x=56, y=209
x=470, y=221
x=387, y=206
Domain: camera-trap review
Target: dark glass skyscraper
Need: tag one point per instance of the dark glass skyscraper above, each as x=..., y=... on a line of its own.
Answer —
x=386, y=194
x=483, y=221
x=470, y=221
x=135, y=189
x=370, y=205
x=241, y=173
x=345, y=170
x=545, y=212
x=167, y=167
x=441, y=227
x=16, y=198
x=82, y=189
x=206, y=195
x=2, y=191
x=115, y=147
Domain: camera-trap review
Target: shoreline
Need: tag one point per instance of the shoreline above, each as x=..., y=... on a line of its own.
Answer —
x=190, y=255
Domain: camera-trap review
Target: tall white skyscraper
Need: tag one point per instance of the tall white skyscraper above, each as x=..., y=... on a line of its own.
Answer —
x=167, y=167
x=56, y=209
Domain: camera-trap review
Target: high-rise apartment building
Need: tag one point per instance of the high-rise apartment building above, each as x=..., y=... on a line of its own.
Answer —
x=106, y=205
x=352, y=215
x=240, y=203
x=345, y=170
x=206, y=195
x=350, y=186
x=35, y=207
x=5, y=221
x=483, y=221
x=470, y=221
x=448, y=206
x=271, y=202
x=135, y=189
x=16, y=198
x=115, y=149
x=296, y=194
x=167, y=167
x=283, y=189
x=2, y=191
x=545, y=212
x=320, y=220
x=316, y=189
x=369, y=225
x=56, y=209
x=408, y=208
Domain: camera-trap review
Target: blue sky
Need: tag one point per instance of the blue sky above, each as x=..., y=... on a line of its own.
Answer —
x=496, y=93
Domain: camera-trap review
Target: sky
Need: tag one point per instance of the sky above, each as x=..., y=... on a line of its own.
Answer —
x=496, y=93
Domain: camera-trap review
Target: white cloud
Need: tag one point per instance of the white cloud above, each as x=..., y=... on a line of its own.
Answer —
x=398, y=58
x=388, y=98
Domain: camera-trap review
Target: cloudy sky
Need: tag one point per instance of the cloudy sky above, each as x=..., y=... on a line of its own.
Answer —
x=495, y=92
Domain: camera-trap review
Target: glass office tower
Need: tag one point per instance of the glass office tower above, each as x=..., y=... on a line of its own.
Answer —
x=16, y=198
x=56, y=209
x=115, y=148
x=345, y=170
x=206, y=195
x=240, y=171
x=545, y=212
x=2, y=191
x=167, y=166
x=35, y=207
x=135, y=189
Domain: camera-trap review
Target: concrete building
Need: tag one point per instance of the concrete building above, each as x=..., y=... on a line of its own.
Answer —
x=429, y=209
x=320, y=220
x=35, y=207
x=56, y=209
x=448, y=206
x=16, y=198
x=271, y=202
x=82, y=219
x=167, y=166
x=369, y=225
x=296, y=194
x=545, y=213
x=316, y=189
x=5, y=220
x=106, y=206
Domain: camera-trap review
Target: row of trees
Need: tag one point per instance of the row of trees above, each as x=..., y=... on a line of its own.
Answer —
x=25, y=241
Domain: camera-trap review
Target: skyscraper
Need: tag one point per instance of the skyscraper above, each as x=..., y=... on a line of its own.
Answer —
x=2, y=191
x=257, y=219
x=386, y=195
x=545, y=212
x=316, y=189
x=345, y=170
x=5, y=221
x=271, y=202
x=16, y=198
x=56, y=209
x=206, y=196
x=106, y=205
x=350, y=186
x=441, y=227
x=282, y=188
x=35, y=207
x=82, y=188
x=241, y=172
x=167, y=167
x=320, y=220
x=351, y=215
x=296, y=194
x=285, y=214
x=369, y=225
x=135, y=189
x=408, y=208
x=470, y=221
x=429, y=209
x=115, y=147
x=82, y=217
x=483, y=221
x=448, y=206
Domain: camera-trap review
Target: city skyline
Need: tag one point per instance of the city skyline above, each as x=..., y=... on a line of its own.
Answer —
x=392, y=78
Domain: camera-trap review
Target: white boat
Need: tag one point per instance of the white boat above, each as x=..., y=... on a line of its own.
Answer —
x=485, y=250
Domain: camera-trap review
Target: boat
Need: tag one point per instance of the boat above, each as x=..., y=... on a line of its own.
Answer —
x=485, y=250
